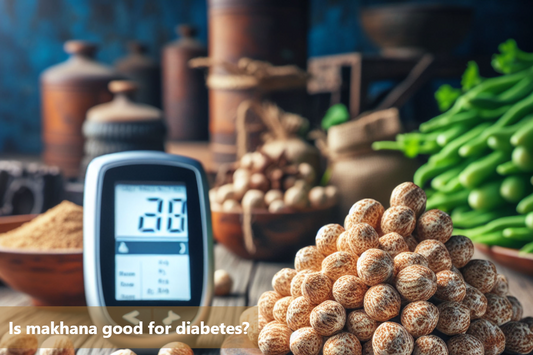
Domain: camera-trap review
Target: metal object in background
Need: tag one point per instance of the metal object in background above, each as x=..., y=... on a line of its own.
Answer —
x=269, y=30
x=145, y=71
x=68, y=90
x=184, y=90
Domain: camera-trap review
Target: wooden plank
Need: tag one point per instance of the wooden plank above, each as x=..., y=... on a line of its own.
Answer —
x=262, y=279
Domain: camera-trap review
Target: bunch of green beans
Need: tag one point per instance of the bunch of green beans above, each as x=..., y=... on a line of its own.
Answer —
x=480, y=151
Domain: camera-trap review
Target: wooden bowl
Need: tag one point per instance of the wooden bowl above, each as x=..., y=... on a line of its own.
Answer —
x=51, y=278
x=277, y=236
x=510, y=258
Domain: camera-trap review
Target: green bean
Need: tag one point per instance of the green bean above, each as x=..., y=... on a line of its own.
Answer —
x=521, y=234
x=481, y=170
x=474, y=218
x=495, y=225
x=508, y=168
x=451, y=151
x=440, y=181
x=525, y=205
x=466, y=117
x=511, y=95
x=523, y=158
x=528, y=248
x=497, y=238
x=486, y=197
x=500, y=141
x=523, y=136
x=515, y=187
x=447, y=201
x=451, y=133
x=429, y=170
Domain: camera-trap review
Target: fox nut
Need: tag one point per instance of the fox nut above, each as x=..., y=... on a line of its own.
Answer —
x=430, y=345
x=339, y=264
x=281, y=282
x=375, y=266
x=306, y=341
x=461, y=250
x=398, y=219
x=349, y=291
x=175, y=348
x=405, y=259
x=341, y=344
x=342, y=243
x=280, y=309
x=501, y=286
x=393, y=243
x=454, y=318
x=274, y=339
x=328, y=318
x=465, y=344
x=416, y=283
x=450, y=287
x=361, y=237
x=297, y=280
x=316, y=287
x=436, y=254
x=298, y=313
x=518, y=310
x=420, y=318
x=361, y=325
x=475, y=301
x=518, y=338
x=411, y=242
x=365, y=211
x=266, y=304
x=382, y=302
x=434, y=224
x=489, y=334
x=308, y=258
x=367, y=348
x=410, y=195
x=62, y=345
x=392, y=338
x=326, y=238
x=481, y=274
x=18, y=344
x=499, y=309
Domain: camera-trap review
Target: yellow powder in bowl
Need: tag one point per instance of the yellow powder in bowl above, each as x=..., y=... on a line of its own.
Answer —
x=60, y=227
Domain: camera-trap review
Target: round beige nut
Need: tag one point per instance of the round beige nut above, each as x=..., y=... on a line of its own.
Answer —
x=349, y=291
x=499, y=309
x=489, y=334
x=281, y=282
x=339, y=264
x=274, y=339
x=299, y=313
x=420, y=318
x=434, y=224
x=405, y=259
x=367, y=348
x=411, y=242
x=365, y=211
x=430, y=345
x=316, y=288
x=456, y=270
x=481, y=274
x=328, y=318
x=465, y=344
x=450, y=287
x=308, y=258
x=223, y=282
x=392, y=338
x=382, y=302
x=266, y=304
x=501, y=286
x=175, y=348
x=256, y=321
x=454, y=318
x=280, y=309
x=398, y=219
x=326, y=238
x=306, y=341
x=475, y=301
x=18, y=344
x=518, y=310
x=342, y=243
x=410, y=195
x=361, y=237
x=436, y=254
x=393, y=243
x=361, y=325
x=518, y=338
x=342, y=344
x=461, y=250
x=416, y=283
x=296, y=283
x=375, y=266
x=62, y=345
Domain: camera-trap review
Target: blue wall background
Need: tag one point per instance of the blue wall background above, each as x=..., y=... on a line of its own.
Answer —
x=32, y=33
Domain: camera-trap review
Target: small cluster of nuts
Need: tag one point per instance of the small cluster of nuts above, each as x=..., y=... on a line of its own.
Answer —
x=259, y=182
x=392, y=281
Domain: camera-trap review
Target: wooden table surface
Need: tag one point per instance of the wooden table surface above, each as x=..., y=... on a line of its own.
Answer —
x=251, y=279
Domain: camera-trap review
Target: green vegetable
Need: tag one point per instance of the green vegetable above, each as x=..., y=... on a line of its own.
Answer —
x=451, y=151
x=508, y=168
x=495, y=225
x=473, y=218
x=525, y=205
x=497, y=238
x=429, y=170
x=486, y=197
x=521, y=234
x=528, y=248
x=523, y=158
x=515, y=187
x=471, y=77
x=511, y=59
x=481, y=170
x=524, y=136
x=447, y=201
x=446, y=96
x=509, y=96
x=451, y=133
x=335, y=115
x=501, y=140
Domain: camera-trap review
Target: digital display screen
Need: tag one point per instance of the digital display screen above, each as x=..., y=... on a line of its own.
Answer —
x=151, y=242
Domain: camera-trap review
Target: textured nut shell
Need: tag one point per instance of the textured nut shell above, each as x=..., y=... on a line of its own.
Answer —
x=342, y=344
x=306, y=341
x=281, y=282
x=405, y=259
x=454, y=318
x=450, y=287
x=410, y=195
x=176, y=348
x=416, y=283
x=528, y=321
x=274, y=339
x=361, y=237
x=298, y=313
x=361, y=325
x=411, y=242
x=463, y=344
x=365, y=211
x=326, y=238
x=328, y=318
x=461, y=250
x=499, y=309
x=420, y=318
x=349, y=291
x=481, y=274
x=489, y=334
x=339, y=264
x=375, y=266
x=316, y=287
x=367, y=348
x=280, y=309
x=296, y=283
x=398, y=219
x=392, y=338
x=436, y=254
x=434, y=224
x=518, y=338
x=308, y=258
x=382, y=302
x=501, y=286
x=430, y=345
x=518, y=310
x=266, y=304
x=342, y=243
x=393, y=243
x=18, y=344
x=456, y=270
x=475, y=301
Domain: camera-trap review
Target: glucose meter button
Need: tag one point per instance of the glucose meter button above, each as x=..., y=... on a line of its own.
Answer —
x=130, y=315
x=174, y=316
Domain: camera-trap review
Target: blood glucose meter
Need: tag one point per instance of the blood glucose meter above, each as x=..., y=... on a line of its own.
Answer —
x=147, y=240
